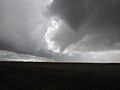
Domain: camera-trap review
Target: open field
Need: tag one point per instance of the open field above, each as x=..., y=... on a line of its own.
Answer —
x=58, y=76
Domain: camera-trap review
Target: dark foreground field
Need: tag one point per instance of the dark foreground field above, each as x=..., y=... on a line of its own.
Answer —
x=59, y=76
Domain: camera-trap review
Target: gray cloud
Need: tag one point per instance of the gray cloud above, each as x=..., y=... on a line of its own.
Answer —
x=88, y=17
x=22, y=26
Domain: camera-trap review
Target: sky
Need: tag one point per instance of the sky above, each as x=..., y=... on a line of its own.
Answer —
x=49, y=27
x=22, y=25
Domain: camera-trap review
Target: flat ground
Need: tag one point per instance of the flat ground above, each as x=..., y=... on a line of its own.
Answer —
x=59, y=76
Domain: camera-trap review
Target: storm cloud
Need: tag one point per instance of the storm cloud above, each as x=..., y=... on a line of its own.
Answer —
x=78, y=25
x=100, y=19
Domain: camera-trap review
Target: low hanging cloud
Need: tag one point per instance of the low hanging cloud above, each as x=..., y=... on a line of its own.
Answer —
x=100, y=19
x=80, y=25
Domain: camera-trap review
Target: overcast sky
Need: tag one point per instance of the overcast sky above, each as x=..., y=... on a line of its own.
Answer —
x=42, y=26
x=22, y=25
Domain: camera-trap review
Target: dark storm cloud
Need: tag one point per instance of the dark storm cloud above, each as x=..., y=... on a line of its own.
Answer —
x=20, y=19
x=75, y=12
x=96, y=17
x=78, y=12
